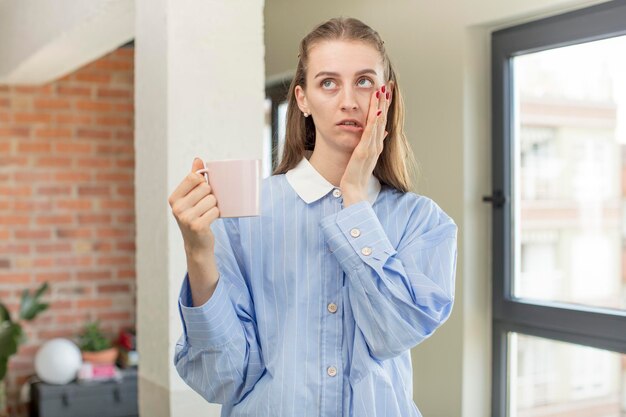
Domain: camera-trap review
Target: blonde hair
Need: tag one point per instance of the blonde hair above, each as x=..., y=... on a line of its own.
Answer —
x=396, y=159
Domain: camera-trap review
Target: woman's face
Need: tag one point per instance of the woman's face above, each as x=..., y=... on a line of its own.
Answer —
x=341, y=78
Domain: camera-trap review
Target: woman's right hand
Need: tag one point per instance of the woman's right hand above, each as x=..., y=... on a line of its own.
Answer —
x=195, y=208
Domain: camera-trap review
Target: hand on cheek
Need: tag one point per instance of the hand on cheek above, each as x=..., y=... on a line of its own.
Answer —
x=365, y=155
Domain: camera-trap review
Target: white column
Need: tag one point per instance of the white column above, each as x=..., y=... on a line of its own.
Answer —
x=199, y=92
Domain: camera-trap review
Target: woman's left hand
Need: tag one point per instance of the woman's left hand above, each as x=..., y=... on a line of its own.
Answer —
x=355, y=179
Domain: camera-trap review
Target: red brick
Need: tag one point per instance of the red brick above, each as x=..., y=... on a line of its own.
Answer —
x=94, y=218
x=53, y=161
x=115, y=149
x=5, y=103
x=14, y=219
x=125, y=163
x=60, y=305
x=29, y=177
x=21, y=191
x=78, y=119
x=49, y=133
x=5, y=147
x=26, y=147
x=12, y=278
x=72, y=176
x=110, y=65
x=125, y=218
x=114, y=177
x=32, y=234
x=54, y=219
x=114, y=93
x=53, y=277
x=125, y=135
x=115, y=121
x=54, y=190
x=94, y=106
x=5, y=264
x=15, y=249
x=93, y=275
x=73, y=147
x=52, y=103
x=95, y=190
x=117, y=204
x=30, y=89
x=126, y=190
x=20, y=161
x=73, y=91
x=43, y=262
x=112, y=232
x=74, y=204
x=75, y=261
x=113, y=288
x=93, y=78
x=17, y=132
x=114, y=315
x=32, y=117
x=94, y=303
x=74, y=233
x=125, y=246
x=74, y=318
x=52, y=334
x=126, y=274
x=94, y=162
x=32, y=205
x=93, y=134
x=102, y=247
x=53, y=247
x=116, y=260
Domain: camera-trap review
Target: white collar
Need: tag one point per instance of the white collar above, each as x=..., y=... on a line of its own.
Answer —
x=311, y=185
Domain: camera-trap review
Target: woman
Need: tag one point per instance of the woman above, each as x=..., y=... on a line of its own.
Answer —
x=311, y=308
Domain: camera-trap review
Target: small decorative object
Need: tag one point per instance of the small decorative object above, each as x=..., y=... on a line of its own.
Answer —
x=128, y=348
x=57, y=361
x=11, y=334
x=95, y=347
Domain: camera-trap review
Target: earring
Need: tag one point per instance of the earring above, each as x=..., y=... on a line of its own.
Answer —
x=305, y=114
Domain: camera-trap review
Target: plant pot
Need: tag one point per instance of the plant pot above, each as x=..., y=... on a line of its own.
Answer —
x=105, y=357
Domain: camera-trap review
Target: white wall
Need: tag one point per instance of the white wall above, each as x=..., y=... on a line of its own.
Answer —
x=441, y=53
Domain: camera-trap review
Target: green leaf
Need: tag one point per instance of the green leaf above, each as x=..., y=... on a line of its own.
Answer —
x=10, y=336
x=3, y=366
x=30, y=306
x=4, y=315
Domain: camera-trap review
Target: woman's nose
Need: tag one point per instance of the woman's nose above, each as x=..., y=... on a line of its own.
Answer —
x=348, y=99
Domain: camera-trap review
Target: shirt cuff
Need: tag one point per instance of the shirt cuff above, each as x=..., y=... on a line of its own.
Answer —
x=355, y=236
x=211, y=324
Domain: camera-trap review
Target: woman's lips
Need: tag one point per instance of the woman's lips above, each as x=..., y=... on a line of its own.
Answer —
x=350, y=128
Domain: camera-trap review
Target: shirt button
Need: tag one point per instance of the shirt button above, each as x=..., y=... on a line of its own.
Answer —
x=337, y=192
x=355, y=233
x=367, y=251
x=332, y=307
x=332, y=371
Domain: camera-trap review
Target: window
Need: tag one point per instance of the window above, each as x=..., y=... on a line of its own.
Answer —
x=559, y=215
x=275, y=123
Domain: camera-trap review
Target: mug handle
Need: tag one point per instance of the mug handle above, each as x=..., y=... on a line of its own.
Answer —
x=205, y=172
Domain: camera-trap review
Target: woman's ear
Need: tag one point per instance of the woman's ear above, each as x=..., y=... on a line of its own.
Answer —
x=301, y=99
x=391, y=90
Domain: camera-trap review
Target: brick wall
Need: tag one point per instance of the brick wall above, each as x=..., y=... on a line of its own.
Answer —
x=67, y=202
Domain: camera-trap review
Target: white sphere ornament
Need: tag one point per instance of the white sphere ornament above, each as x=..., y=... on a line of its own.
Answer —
x=57, y=361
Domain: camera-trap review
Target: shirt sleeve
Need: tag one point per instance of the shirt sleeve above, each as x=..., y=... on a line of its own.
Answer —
x=399, y=296
x=218, y=354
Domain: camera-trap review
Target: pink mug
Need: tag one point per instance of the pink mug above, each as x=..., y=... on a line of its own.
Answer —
x=236, y=184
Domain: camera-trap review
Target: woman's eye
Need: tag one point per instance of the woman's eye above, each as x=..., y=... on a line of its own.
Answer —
x=365, y=82
x=328, y=84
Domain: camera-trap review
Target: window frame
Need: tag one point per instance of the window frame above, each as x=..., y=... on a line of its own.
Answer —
x=276, y=92
x=595, y=327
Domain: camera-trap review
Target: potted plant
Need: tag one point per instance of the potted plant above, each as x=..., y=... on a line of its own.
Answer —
x=95, y=346
x=12, y=335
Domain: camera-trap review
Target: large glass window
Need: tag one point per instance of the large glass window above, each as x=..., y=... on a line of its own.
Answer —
x=559, y=215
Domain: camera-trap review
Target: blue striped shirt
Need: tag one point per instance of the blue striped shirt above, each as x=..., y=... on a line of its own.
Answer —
x=317, y=306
